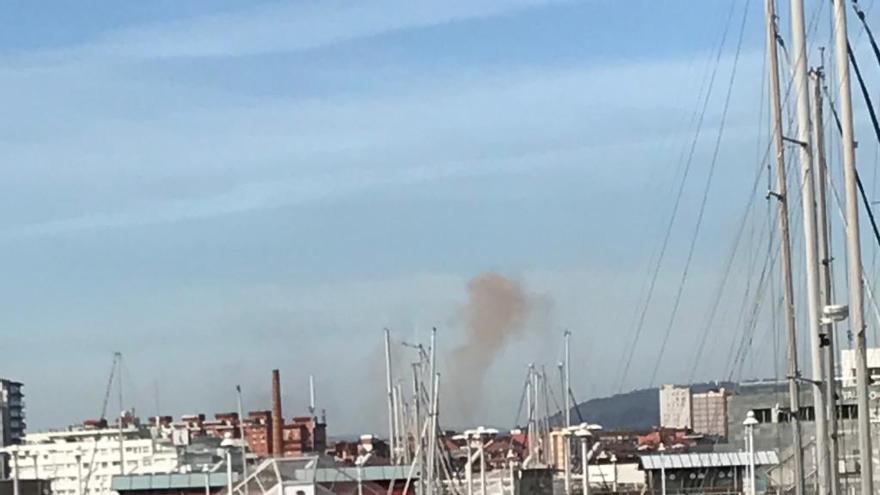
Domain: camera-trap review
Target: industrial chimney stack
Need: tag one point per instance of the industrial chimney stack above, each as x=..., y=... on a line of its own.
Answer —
x=277, y=420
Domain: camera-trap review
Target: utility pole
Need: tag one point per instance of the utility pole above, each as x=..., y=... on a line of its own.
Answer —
x=781, y=195
x=853, y=248
x=820, y=172
x=390, y=392
x=814, y=309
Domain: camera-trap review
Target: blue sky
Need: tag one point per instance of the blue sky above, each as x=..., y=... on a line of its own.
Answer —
x=220, y=188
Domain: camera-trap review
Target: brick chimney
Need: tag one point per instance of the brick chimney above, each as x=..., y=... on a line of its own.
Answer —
x=277, y=419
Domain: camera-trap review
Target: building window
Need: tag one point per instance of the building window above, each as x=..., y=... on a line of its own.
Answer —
x=848, y=411
x=783, y=415
x=808, y=413
x=763, y=415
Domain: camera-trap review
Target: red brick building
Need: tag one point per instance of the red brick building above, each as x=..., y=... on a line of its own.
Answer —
x=304, y=434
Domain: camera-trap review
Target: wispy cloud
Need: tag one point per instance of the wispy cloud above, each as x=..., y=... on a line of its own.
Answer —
x=229, y=155
x=290, y=26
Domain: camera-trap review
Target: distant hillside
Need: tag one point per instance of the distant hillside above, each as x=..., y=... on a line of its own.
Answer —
x=636, y=410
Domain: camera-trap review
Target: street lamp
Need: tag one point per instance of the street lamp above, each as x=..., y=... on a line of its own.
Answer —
x=16, y=489
x=584, y=435
x=468, y=467
x=79, y=471
x=511, y=459
x=228, y=444
x=614, y=467
x=662, y=448
x=750, y=423
x=359, y=464
x=478, y=433
x=566, y=456
x=583, y=431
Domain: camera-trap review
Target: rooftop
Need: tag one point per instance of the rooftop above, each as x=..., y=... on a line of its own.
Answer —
x=171, y=481
x=707, y=459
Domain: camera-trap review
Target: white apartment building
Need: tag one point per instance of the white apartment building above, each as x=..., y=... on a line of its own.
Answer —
x=83, y=461
x=676, y=410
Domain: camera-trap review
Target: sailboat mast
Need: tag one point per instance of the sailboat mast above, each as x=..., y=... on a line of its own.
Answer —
x=243, y=438
x=392, y=448
x=799, y=45
x=566, y=392
x=853, y=246
x=781, y=195
x=819, y=178
x=418, y=443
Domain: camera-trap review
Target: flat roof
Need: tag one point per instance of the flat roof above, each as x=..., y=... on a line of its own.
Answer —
x=707, y=459
x=172, y=481
x=368, y=473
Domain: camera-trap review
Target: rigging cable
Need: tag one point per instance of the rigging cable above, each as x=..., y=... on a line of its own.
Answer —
x=875, y=125
x=665, y=243
x=861, y=188
x=712, y=166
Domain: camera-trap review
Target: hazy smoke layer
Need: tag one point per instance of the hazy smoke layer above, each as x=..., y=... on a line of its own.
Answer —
x=497, y=310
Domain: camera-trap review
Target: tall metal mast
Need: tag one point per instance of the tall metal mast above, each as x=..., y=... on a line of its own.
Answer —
x=121, y=422
x=417, y=430
x=530, y=407
x=432, y=438
x=799, y=40
x=853, y=247
x=390, y=391
x=312, y=396
x=241, y=433
x=819, y=178
x=781, y=195
x=567, y=379
x=539, y=451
